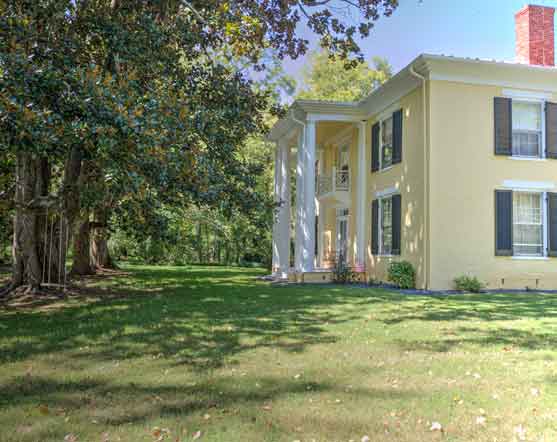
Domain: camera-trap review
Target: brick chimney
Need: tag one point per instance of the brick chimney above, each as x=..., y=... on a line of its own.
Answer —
x=535, y=40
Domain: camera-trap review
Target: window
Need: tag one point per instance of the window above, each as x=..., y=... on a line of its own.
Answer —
x=528, y=224
x=526, y=128
x=387, y=142
x=386, y=218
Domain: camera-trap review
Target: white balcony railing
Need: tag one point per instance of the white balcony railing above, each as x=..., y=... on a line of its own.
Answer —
x=339, y=180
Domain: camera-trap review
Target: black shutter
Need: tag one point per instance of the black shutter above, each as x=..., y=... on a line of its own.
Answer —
x=375, y=227
x=375, y=147
x=551, y=130
x=396, y=213
x=397, y=136
x=503, y=222
x=552, y=223
x=503, y=115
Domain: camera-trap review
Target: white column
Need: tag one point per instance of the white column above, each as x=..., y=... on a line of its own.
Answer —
x=276, y=198
x=309, y=198
x=361, y=209
x=283, y=230
x=300, y=196
x=321, y=214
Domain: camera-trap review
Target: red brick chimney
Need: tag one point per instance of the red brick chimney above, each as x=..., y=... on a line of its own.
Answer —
x=535, y=39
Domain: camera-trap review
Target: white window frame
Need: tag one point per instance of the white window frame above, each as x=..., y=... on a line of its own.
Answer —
x=380, y=198
x=541, y=103
x=543, y=195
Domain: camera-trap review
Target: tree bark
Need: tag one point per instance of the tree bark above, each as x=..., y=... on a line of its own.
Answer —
x=42, y=221
x=100, y=255
x=81, y=264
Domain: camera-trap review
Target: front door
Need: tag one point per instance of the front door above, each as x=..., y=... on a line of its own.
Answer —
x=342, y=234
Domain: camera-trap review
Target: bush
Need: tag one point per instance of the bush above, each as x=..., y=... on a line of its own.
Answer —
x=468, y=284
x=342, y=274
x=402, y=274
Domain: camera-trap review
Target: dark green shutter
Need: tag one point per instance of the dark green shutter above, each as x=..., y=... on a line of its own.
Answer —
x=375, y=227
x=503, y=222
x=552, y=223
x=503, y=115
x=375, y=147
x=396, y=213
x=551, y=130
x=397, y=136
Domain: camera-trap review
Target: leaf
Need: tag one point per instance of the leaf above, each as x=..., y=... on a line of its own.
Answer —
x=196, y=435
x=535, y=392
x=70, y=438
x=43, y=409
x=436, y=426
x=520, y=432
x=366, y=439
x=480, y=420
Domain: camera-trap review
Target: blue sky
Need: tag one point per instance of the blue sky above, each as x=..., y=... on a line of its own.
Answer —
x=466, y=28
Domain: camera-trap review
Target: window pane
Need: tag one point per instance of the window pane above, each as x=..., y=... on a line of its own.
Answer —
x=387, y=142
x=386, y=226
x=528, y=224
x=527, y=116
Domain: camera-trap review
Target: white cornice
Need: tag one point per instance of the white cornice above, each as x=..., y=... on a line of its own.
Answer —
x=432, y=67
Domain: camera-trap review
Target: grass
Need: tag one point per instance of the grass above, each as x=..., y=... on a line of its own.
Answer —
x=166, y=352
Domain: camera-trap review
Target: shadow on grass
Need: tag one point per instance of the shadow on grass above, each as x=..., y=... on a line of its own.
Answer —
x=489, y=319
x=199, y=317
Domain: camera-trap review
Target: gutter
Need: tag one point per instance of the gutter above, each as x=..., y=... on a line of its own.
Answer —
x=426, y=177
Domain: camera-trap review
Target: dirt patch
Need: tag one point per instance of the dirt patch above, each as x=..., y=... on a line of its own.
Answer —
x=79, y=290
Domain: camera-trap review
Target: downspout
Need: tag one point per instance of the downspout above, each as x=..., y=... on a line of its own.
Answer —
x=426, y=178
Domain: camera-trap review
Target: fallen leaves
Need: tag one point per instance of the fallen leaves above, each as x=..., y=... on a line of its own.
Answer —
x=520, y=432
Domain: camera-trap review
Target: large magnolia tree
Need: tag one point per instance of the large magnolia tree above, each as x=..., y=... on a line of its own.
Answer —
x=104, y=102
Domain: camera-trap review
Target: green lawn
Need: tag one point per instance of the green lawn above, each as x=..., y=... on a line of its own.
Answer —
x=168, y=351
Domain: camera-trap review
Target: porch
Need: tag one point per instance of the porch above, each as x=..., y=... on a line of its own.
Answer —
x=302, y=140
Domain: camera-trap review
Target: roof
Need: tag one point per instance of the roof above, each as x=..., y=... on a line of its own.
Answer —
x=432, y=67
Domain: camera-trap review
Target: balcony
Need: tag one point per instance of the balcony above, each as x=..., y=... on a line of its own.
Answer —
x=334, y=188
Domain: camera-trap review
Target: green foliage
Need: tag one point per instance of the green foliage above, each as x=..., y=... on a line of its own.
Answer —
x=327, y=78
x=342, y=273
x=468, y=284
x=402, y=274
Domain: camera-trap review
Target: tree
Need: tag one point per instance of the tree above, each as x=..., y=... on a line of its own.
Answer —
x=135, y=90
x=327, y=78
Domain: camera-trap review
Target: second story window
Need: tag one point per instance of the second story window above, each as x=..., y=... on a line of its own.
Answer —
x=387, y=142
x=526, y=129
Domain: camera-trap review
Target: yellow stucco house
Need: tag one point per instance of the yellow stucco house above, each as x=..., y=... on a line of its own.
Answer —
x=451, y=165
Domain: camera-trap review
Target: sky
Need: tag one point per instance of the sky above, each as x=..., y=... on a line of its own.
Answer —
x=464, y=28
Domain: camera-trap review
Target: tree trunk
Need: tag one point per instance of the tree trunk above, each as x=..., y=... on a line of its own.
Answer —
x=100, y=255
x=81, y=249
x=39, y=227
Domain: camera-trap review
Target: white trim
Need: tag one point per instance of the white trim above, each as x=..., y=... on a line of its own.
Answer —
x=528, y=185
x=332, y=117
x=388, y=111
x=530, y=258
x=527, y=95
x=521, y=158
x=389, y=191
x=488, y=82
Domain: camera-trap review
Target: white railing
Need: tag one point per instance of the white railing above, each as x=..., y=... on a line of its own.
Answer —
x=337, y=181
x=342, y=180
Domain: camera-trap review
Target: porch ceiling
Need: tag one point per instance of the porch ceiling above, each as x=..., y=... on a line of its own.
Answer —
x=328, y=130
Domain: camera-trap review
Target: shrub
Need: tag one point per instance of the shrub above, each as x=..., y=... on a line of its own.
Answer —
x=342, y=274
x=402, y=274
x=468, y=284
